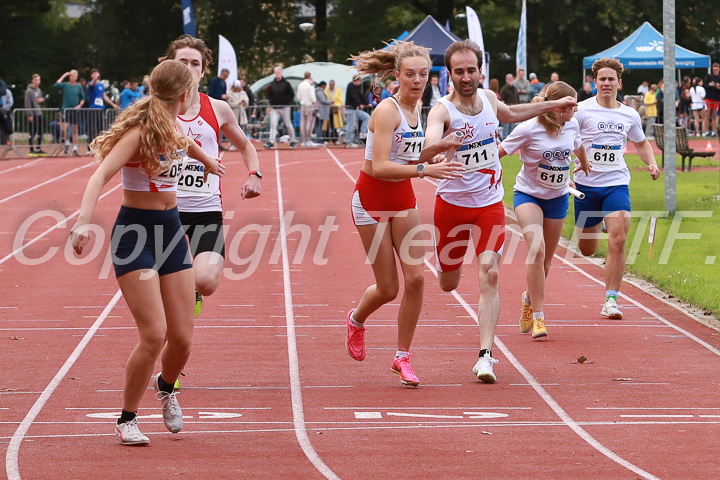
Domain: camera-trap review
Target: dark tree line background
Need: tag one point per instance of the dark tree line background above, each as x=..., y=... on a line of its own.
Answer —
x=124, y=38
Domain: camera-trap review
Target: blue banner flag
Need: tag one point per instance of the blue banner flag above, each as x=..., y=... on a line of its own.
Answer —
x=188, y=18
x=521, y=55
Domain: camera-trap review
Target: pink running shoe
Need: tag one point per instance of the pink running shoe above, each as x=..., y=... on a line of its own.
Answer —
x=402, y=367
x=355, y=341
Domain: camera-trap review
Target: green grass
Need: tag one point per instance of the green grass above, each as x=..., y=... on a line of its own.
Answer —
x=684, y=267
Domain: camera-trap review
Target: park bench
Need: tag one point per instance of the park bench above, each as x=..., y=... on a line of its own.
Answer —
x=681, y=146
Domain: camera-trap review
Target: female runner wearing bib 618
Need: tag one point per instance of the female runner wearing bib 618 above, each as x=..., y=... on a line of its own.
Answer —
x=149, y=250
x=384, y=197
x=541, y=193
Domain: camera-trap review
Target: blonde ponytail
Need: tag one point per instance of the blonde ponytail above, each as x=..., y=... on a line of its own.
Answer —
x=168, y=83
x=386, y=62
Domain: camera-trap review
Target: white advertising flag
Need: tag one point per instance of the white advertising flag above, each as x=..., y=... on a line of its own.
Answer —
x=227, y=60
x=475, y=34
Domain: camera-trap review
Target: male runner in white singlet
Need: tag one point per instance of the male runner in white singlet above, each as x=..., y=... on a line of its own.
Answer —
x=200, y=203
x=605, y=127
x=473, y=202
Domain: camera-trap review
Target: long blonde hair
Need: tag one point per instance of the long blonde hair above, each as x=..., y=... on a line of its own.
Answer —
x=168, y=82
x=387, y=62
x=554, y=91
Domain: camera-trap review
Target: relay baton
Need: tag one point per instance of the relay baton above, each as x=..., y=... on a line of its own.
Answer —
x=576, y=193
x=451, y=151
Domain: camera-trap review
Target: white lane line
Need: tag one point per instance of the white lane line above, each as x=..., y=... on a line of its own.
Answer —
x=62, y=223
x=657, y=416
x=421, y=415
x=294, y=370
x=45, y=182
x=533, y=382
x=11, y=456
x=655, y=315
x=23, y=165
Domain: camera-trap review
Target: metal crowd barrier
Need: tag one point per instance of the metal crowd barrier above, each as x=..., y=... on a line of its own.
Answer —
x=48, y=124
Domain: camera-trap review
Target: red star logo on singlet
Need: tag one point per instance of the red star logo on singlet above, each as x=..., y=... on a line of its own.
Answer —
x=468, y=131
x=398, y=137
x=194, y=136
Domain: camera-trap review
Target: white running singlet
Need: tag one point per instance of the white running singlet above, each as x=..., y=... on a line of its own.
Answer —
x=407, y=141
x=546, y=159
x=605, y=132
x=192, y=194
x=481, y=183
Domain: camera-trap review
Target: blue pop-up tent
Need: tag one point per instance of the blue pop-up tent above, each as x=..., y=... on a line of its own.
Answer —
x=644, y=50
x=430, y=34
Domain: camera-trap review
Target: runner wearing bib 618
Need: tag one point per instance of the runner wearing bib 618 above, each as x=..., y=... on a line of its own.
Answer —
x=605, y=127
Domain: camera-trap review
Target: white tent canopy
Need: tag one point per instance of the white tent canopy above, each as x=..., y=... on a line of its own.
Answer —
x=342, y=74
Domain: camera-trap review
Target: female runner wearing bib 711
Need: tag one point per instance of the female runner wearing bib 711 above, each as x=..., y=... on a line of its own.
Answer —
x=541, y=194
x=384, y=197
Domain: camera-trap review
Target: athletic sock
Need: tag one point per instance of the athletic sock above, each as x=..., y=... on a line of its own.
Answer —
x=484, y=351
x=611, y=293
x=67, y=143
x=163, y=386
x=537, y=315
x=401, y=354
x=526, y=299
x=355, y=323
x=74, y=148
x=126, y=416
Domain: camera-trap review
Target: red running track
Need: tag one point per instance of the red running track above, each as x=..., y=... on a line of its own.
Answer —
x=270, y=390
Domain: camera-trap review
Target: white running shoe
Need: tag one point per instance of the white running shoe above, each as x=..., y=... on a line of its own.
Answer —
x=129, y=433
x=483, y=369
x=611, y=310
x=172, y=413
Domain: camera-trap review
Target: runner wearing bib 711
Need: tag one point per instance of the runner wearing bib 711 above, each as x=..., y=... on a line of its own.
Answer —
x=541, y=194
x=605, y=127
x=200, y=202
x=473, y=202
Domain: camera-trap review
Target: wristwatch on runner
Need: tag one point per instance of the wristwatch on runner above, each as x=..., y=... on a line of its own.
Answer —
x=256, y=173
x=421, y=170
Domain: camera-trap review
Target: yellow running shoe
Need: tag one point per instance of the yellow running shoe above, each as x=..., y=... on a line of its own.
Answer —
x=198, y=303
x=526, y=318
x=539, y=329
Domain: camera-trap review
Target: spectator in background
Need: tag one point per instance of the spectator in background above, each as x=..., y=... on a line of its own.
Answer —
x=585, y=92
x=7, y=100
x=96, y=98
x=651, y=110
x=323, y=120
x=522, y=85
x=33, y=100
x=699, y=109
x=374, y=97
x=217, y=88
x=355, y=114
x=238, y=101
x=129, y=95
x=554, y=77
x=494, y=85
x=535, y=85
x=251, y=97
x=712, y=100
x=144, y=88
x=432, y=93
x=643, y=88
x=336, y=110
x=308, y=105
x=509, y=96
x=589, y=79
x=281, y=95
x=73, y=98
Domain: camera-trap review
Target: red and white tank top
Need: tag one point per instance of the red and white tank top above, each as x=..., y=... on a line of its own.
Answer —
x=481, y=182
x=136, y=179
x=194, y=195
x=407, y=141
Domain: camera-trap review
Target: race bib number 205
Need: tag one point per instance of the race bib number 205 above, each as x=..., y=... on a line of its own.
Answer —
x=191, y=182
